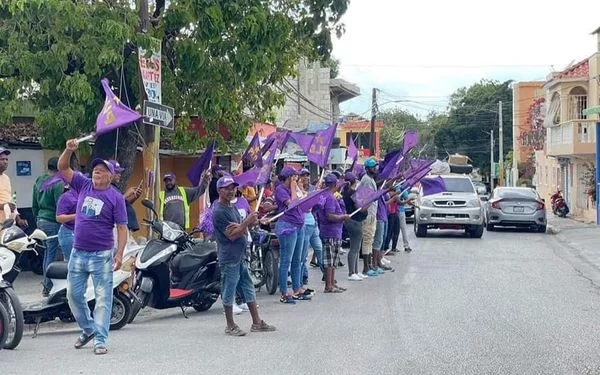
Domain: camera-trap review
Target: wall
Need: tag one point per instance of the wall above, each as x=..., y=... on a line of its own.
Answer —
x=547, y=177
x=360, y=127
x=524, y=94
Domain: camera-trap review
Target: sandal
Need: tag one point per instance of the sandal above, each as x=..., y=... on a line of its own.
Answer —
x=340, y=288
x=333, y=290
x=262, y=327
x=100, y=350
x=301, y=297
x=84, y=339
x=309, y=292
x=286, y=299
x=235, y=331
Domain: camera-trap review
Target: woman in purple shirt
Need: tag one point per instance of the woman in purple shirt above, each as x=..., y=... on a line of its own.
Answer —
x=290, y=231
x=66, y=209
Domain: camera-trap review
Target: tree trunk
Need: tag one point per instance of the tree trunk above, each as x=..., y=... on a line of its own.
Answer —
x=125, y=152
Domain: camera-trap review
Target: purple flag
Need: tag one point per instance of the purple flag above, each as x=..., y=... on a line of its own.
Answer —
x=312, y=199
x=58, y=177
x=365, y=195
x=303, y=140
x=433, y=185
x=416, y=177
x=321, y=146
x=410, y=141
x=279, y=137
x=201, y=164
x=392, y=167
x=258, y=176
x=114, y=114
x=352, y=151
x=253, y=154
x=416, y=166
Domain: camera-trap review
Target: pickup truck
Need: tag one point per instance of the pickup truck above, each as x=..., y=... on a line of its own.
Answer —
x=458, y=208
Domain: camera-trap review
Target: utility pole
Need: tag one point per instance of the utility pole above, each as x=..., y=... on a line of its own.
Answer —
x=500, y=148
x=373, y=115
x=492, y=161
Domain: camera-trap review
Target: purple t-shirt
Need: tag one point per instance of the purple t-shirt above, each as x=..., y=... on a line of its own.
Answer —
x=67, y=205
x=97, y=213
x=294, y=216
x=242, y=206
x=330, y=229
x=382, y=212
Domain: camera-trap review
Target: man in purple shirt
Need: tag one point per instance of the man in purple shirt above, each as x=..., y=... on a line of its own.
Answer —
x=330, y=227
x=99, y=208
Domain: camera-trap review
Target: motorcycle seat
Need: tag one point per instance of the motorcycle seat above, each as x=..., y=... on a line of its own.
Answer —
x=57, y=270
x=189, y=261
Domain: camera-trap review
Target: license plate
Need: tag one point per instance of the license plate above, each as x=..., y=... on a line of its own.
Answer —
x=518, y=209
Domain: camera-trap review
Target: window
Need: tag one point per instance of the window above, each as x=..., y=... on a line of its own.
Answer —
x=459, y=185
x=577, y=103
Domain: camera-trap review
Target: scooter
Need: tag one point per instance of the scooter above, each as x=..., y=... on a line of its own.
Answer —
x=12, y=243
x=175, y=270
x=559, y=205
x=56, y=304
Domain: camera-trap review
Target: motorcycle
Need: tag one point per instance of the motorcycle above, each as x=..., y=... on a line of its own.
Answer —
x=175, y=270
x=262, y=258
x=559, y=204
x=11, y=247
x=56, y=305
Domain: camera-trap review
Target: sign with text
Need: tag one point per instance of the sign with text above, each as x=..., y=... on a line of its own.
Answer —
x=150, y=68
x=159, y=115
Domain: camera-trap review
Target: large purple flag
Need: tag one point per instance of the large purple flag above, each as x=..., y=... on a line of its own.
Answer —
x=321, y=146
x=312, y=199
x=392, y=167
x=252, y=153
x=279, y=137
x=416, y=166
x=365, y=195
x=303, y=141
x=416, y=177
x=114, y=114
x=433, y=185
x=58, y=177
x=410, y=141
x=201, y=164
x=258, y=176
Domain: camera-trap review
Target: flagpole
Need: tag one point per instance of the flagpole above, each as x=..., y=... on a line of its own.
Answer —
x=356, y=211
x=275, y=217
x=86, y=138
x=260, y=197
x=206, y=192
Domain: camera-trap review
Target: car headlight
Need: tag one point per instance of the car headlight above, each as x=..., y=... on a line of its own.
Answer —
x=168, y=233
x=474, y=203
x=426, y=203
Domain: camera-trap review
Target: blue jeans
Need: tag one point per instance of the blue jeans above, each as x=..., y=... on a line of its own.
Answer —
x=380, y=232
x=311, y=237
x=65, y=240
x=291, y=243
x=51, y=229
x=98, y=265
x=236, y=276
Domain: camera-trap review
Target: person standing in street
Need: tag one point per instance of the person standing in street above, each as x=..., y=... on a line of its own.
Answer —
x=6, y=193
x=353, y=227
x=131, y=195
x=403, y=201
x=231, y=235
x=66, y=210
x=99, y=208
x=175, y=200
x=43, y=206
x=369, y=225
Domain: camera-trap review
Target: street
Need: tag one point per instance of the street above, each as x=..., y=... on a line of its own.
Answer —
x=510, y=303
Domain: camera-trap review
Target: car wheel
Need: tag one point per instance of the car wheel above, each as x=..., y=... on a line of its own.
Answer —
x=420, y=230
x=541, y=229
x=490, y=227
x=476, y=231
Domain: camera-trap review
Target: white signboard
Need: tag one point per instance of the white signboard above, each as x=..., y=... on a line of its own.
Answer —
x=151, y=72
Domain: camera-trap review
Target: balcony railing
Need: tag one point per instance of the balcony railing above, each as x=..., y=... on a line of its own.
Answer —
x=574, y=137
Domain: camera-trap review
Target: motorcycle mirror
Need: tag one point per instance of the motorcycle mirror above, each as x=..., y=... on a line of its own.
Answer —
x=8, y=223
x=148, y=203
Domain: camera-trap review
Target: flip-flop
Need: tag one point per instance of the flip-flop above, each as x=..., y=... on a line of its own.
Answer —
x=301, y=297
x=100, y=350
x=333, y=290
x=83, y=340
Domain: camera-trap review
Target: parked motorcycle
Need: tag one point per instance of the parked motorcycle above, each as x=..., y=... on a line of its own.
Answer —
x=559, y=204
x=12, y=243
x=262, y=258
x=56, y=305
x=175, y=270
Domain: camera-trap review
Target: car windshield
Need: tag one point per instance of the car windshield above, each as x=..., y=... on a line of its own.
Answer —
x=516, y=193
x=458, y=185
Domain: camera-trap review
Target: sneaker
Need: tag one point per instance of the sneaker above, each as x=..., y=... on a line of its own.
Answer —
x=355, y=277
x=285, y=298
x=235, y=331
x=379, y=271
x=244, y=306
x=362, y=276
x=372, y=273
x=45, y=293
x=407, y=249
x=314, y=264
x=262, y=327
x=236, y=309
x=309, y=292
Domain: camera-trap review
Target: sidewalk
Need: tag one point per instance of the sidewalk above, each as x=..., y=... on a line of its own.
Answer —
x=580, y=236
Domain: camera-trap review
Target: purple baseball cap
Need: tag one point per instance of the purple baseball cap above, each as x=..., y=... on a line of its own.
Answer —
x=350, y=176
x=117, y=166
x=288, y=171
x=304, y=172
x=106, y=163
x=330, y=179
x=4, y=151
x=226, y=181
x=169, y=176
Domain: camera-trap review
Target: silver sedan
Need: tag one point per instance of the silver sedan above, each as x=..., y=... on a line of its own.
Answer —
x=515, y=207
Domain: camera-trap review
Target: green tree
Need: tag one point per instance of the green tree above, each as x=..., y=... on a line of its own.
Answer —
x=395, y=122
x=221, y=61
x=472, y=115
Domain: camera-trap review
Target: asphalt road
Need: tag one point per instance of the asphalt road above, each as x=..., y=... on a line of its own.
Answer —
x=510, y=303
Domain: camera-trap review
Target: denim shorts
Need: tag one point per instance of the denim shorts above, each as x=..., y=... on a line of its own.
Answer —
x=379, y=234
x=233, y=273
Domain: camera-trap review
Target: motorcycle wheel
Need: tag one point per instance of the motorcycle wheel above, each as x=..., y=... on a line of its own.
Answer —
x=4, y=323
x=121, y=311
x=203, y=305
x=10, y=301
x=271, y=271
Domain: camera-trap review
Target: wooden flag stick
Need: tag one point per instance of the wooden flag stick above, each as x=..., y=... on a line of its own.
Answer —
x=86, y=138
x=260, y=197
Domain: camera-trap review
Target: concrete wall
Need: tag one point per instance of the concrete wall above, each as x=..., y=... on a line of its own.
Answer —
x=524, y=94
